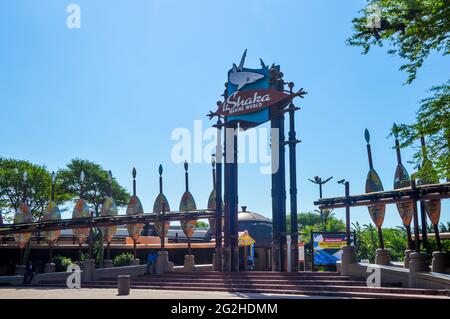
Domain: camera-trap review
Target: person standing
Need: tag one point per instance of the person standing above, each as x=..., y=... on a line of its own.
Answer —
x=151, y=260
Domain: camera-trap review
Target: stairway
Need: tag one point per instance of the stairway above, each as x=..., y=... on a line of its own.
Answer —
x=302, y=283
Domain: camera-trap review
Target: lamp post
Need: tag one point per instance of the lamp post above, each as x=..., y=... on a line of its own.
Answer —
x=293, y=141
x=348, y=251
x=347, y=210
x=318, y=180
x=218, y=197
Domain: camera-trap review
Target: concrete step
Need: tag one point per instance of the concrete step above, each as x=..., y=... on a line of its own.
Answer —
x=253, y=274
x=229, y=279
x=351, y=286
x=370, y=293
x=239, y=284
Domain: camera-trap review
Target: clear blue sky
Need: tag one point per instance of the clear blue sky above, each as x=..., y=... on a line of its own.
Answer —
x=113, y=91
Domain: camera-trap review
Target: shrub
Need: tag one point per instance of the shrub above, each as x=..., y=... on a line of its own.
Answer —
x=123, y=259
x=61, y=263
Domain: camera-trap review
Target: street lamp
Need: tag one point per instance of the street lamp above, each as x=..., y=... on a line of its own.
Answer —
x=318, y=180
x=347, y=209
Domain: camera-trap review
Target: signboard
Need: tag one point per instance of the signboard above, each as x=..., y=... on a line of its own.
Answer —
x=245, y=239
x=239, y=103
x=248, y=96
x=327, y=247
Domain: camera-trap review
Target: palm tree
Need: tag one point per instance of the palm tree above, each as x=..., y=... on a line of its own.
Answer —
x=371, y=229
x=443, y=228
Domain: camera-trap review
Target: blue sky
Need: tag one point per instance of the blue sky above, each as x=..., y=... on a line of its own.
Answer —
x=114, y=90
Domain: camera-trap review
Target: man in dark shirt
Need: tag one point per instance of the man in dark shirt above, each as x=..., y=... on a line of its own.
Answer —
x=29, y=273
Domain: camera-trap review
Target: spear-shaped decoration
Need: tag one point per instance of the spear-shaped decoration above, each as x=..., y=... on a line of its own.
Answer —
x=23, y=215
x=134, y=208
x=161, y=207
x=109, y=209
x=80, y=211
x=373, y=184
x=52, y=212
x=401, y=180
x=212, y=197
x=187, y=203
x=432, y=207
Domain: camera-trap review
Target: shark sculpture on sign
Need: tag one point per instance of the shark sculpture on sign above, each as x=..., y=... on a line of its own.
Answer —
x=241, y=78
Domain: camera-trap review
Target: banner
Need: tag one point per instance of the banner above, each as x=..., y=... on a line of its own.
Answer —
x=327, y=247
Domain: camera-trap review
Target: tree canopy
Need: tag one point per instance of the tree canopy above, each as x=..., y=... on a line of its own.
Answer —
x=413, y=29
x=67, y=186
x=313, y=221
x=38, y=187
x=433, y=121
x=95, y=185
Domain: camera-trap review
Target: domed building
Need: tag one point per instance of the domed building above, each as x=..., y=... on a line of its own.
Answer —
x=260, y=229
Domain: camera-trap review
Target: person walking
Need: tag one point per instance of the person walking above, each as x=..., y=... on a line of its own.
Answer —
x=29, y=273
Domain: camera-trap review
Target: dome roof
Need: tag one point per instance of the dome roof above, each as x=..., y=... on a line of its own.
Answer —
x=245, y=215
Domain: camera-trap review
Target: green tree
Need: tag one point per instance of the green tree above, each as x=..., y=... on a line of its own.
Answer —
x=95, y=186
x=433, y=121
x=38, y=187
x=414, y=29
x=313, y=221
x=201, y=224
x=95, y=189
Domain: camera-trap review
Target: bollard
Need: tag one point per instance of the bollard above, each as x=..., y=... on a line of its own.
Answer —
x=439, y=262
x=189, y=263
x=407, y=258
x=417, y=263
x=123, y=285
x=348, y=257
x=382, y=257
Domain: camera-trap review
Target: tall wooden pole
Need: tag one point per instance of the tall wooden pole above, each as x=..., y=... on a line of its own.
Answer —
x=415, y=219
x=276, y=261
x=293, y=183
x=227, y=213
x=347, y=214
x=218, y=187
x=234, y=248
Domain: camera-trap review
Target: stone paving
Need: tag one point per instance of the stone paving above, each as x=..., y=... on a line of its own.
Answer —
x=95, y=293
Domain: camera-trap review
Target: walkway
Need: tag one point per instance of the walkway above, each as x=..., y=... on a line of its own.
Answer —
x=108, y=293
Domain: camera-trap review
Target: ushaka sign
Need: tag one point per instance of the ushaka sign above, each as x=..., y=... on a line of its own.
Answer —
x=250, y=101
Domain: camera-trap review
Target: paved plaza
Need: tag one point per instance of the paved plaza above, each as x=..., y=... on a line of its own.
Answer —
x=95, y=293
